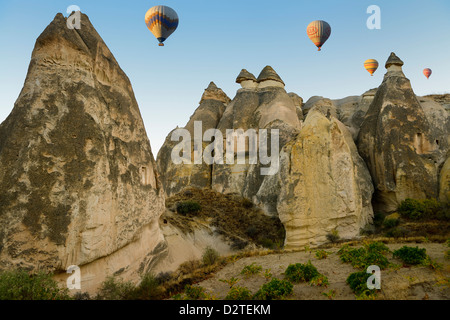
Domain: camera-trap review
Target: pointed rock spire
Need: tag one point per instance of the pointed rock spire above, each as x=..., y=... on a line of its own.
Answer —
x=269, y=74
x=214, y=93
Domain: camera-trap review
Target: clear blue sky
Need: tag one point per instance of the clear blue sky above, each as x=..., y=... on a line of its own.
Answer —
x=217, y=38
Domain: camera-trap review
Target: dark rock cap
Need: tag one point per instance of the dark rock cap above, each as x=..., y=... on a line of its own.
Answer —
x=393, y=60
x=269, y=74
x=245, y=75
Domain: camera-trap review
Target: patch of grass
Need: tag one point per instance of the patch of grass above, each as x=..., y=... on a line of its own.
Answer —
x=23, y=285
x=274, y=290
x=194, y=292
x=330, y=294
x=239, y=293
x=251, y=269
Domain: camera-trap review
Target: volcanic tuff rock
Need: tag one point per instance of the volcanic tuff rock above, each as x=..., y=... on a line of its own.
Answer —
x=397, y=142
x=325, y=184
x=77, y=174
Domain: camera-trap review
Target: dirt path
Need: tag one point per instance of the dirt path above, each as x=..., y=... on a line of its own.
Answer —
x=404, y=283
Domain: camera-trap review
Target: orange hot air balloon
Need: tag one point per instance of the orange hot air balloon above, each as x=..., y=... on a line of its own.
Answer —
x=318, y=32
x=371, y=66
x=427, y=72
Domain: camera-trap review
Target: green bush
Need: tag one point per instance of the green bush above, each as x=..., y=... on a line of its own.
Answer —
x=391, y=223
x=397, y=232
x=358, y=283
x=21, y=285
x=301, y=272
x=410, y=255
x=251, y=269
x=319, y=281
x=333, y=236
x=361, y=258
x=239, y=293
x=273, y=290
x=148, y=289
x=378, y=219
x=210, y=256
x=115, y=289
x=424, y=209
x=194, y=292
x=188, y=207
x=321, y=254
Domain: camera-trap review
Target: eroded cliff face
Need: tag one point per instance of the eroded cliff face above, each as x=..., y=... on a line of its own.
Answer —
x=398, y=143
x=324, y=184
x=78, y=178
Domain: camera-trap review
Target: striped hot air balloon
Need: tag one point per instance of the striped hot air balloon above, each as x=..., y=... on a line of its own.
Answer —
x=318, y=31
x=427, y=72
x=162, y=21
x=371, y=66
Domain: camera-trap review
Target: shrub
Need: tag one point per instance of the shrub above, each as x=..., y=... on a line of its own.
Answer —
x=391, y=223
x=321, y=254
x=231, y=282
x=115, y=289
x=397, y=232
x=251, y=269
x=333, y=236
x=301, y=272
x=239, y=293
x=378, y=219
x=424, y=209
x=210, y=256
x=21, y=285
x=410, y=255
x=358, y=283
x=188, y=207
x=194, y=292
x=275, y=289
x=319, y=281
x=148, y=289
x=370, y=254
x=246, y=203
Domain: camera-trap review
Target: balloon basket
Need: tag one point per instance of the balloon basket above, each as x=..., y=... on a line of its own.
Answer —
x=161, y=44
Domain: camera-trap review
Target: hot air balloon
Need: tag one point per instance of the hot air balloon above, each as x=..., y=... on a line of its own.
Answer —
x=427, y=72
x=371, y=66
x=318, y=31
x=162, y=21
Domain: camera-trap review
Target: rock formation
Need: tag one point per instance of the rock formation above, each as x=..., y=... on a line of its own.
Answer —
x=77, y=174
x=175, y=177
x=325, y=185
x=397, y=142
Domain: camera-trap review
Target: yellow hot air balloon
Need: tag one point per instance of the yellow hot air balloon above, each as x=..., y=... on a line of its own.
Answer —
x=371, y=66
x=318, y=32
x=162, y=21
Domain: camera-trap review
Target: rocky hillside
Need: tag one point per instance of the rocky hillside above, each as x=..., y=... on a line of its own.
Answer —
x=340, y=160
